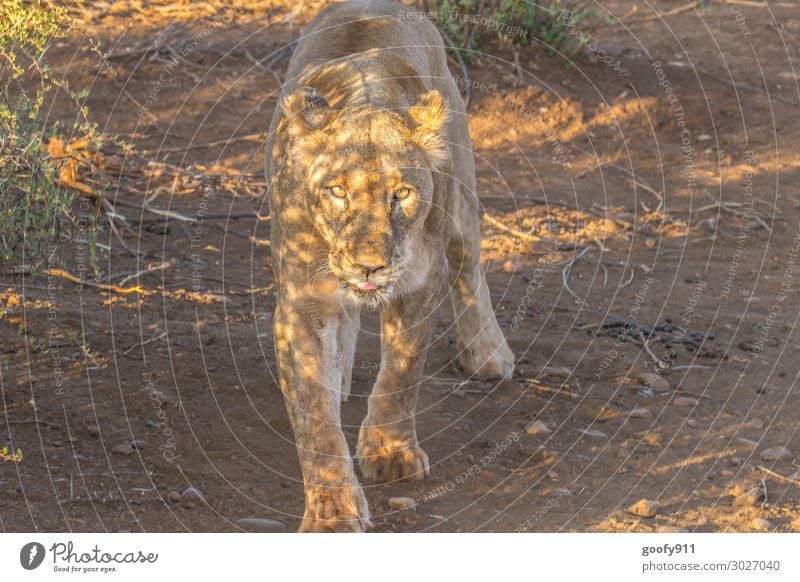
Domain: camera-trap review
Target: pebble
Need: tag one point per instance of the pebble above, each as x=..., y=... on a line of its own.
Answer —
x=736, y=461
x=644, y=508
x=261, y=525
x=776, y=454
x=650, y=243
x=537, y=427
x=762, y=524
x=755, y=423
x=691, y=423
x=671, y=529
x=93, y=429
x=151, y=423
x=561, y=372
x=592, y=433
x=139, y=445
x=400, y=503
x=749, y=498
x=684, y=402
x=726, y=473
x=174, y=496
x=640, y=413
x=123, y=449
x=191, y=498
x=510, y=267
x=654, y=381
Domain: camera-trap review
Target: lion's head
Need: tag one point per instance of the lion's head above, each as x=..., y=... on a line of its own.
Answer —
x=368, y=173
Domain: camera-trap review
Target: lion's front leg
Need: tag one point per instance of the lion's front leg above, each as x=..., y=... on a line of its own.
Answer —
x=305, y=344
x=387, y=442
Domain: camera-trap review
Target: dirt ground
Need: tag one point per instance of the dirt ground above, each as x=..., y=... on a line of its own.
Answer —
x=693, y=265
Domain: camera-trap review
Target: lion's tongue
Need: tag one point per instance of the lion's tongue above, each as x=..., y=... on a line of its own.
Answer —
x=366, y=286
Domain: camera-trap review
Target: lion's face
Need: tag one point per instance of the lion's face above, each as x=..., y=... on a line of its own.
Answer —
x=369, y=181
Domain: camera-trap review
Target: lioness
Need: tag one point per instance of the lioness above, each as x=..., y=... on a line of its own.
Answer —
x=372, y=193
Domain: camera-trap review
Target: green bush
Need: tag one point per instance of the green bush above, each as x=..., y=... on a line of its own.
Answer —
x=468, y=24
x=33, y=205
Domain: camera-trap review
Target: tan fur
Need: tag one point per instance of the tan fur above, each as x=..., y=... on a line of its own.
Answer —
x=372, y=196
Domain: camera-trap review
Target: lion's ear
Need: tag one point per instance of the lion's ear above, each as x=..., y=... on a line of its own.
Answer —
x=430, y=115
x=306, y=110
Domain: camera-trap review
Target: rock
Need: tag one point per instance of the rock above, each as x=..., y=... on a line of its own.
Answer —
x=684, y=402
x=151, y=423
x=726, y=473
x=537, y=427
x=736, y=461
x=138, y=445
x=93, y=429
x=261, y=525
x=776, y=454
x=640, y=413
x=755, y=423
x=749, y=498
x=593, y=434
x=762, y=524
x=650, y=243
x=748, y=442
x=124, y=450
x=191, y=498
x=174, y=496
x=671, y=529
x=644, y=508
x=561, y=372
x=400, y=503
x=654, y=381
x=691, y=423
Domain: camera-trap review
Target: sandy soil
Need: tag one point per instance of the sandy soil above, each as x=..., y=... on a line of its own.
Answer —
x=705, y=280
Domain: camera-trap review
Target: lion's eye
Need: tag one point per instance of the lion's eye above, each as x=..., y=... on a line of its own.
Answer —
x=402, y=193
x=336, y=191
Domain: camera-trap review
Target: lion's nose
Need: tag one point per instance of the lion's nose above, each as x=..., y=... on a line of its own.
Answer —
x=368, y=268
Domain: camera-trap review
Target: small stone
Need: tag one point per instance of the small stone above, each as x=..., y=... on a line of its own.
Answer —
x=644, y=508
x=151, y=423
x=726, y=473
x=640, y=413
x=261, y=525
x=650, y=243
x=652, y=439
x=684, y=402
x=750, y=498
x=755, y=423
x=671, y=529
x=138, y=445
x=509, y=267
x=174, y=496
x=762, y=524
x=400, y=503
x=561, y=372
x=655, y=381
x=748, y=442
x=537, y=427
x=191, y=498
x=597, y=435
x=93, y=429
x=691, y=423
x=123, y=450
x=57, y=444
x=736, y=461
x=776, y=454
x=704, y=137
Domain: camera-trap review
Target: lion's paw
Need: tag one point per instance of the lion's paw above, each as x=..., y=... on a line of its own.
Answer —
x=488, y=358
x=383, y=458
x=335, y=509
